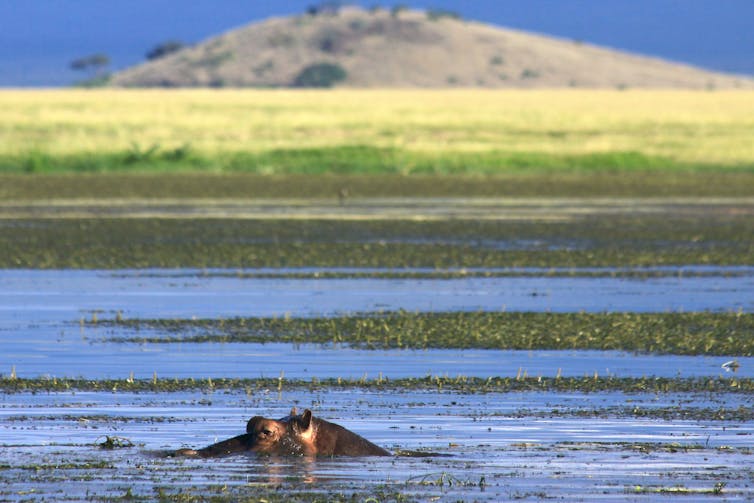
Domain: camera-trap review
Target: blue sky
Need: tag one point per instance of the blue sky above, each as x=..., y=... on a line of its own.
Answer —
x=39, y=38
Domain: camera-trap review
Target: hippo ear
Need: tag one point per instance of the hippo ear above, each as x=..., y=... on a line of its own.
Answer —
x=293, y=410
x=252, y=423
x=306, y=420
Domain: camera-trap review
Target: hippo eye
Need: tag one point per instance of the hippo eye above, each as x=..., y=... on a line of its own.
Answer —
x=266, y=432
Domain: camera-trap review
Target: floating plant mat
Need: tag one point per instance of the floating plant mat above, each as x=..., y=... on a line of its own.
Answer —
x=98, y=445
x=453, y=273
x=459, y=384
x=677, y=333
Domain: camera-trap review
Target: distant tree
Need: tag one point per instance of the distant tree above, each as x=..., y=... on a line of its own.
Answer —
x=397, y=9
x=165, y=48
x=331, y=41
x=330, y=7
x=96, y=65
x=320, y=75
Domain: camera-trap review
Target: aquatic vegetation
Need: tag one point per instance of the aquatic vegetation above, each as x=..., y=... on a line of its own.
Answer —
x=703, y=333
x=677, y=490
x=720, y=238
x=674, y=413
x=458, y=384
x=113, y=442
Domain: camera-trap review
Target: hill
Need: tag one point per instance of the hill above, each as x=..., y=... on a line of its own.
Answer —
x=358, y=48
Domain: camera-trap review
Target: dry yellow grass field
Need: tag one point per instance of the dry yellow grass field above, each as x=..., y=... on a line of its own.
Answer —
x=685, y=128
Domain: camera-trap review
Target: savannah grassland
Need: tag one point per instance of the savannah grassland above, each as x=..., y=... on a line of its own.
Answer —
x=474, y=132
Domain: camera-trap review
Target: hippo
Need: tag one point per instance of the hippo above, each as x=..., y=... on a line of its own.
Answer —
x=293, y=435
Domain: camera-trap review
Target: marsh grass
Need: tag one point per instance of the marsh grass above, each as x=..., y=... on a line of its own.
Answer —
x=374, y=131
x=630, y=240
x=459, y=384
x=675, y=333
x=113, y=442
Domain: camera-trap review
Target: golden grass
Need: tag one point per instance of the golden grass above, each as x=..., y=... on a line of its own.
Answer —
x=685, y=126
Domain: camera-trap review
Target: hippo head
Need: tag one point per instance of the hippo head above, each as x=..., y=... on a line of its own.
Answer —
x=291, y=435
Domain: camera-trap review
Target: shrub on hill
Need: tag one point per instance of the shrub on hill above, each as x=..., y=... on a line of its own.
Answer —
x=435, y=14
x=320, y=75
x=164, y=49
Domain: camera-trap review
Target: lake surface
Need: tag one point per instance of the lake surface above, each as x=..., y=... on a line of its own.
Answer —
x=502, y=446
x=511, y=441
x=41, y=332
x=42, y=296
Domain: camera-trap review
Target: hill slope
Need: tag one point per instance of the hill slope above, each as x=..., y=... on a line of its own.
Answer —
x=378, y=49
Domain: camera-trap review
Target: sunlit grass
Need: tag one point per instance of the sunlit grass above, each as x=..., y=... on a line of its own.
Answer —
x=373, y=130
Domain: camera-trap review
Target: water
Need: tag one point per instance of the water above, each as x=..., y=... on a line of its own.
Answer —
x=507, y=440
x=78, y=357
x=41, y=334
x=502, y=446
x=67, y=295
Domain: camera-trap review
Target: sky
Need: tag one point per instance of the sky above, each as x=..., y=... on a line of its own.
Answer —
x=39, y=38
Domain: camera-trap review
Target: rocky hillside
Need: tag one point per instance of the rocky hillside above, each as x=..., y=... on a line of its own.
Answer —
x=358, y=48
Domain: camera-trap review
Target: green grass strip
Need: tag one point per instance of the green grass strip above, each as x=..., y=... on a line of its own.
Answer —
x=345, y=159
x=702, y=333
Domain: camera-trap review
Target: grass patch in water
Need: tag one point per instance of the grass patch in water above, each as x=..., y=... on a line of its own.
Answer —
x=704, y=333
x=607, y=272
x=721, y=238
x=678, y=490
x=672, y=413
x=90, y=465
x=458, y=384
x=269, y=493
